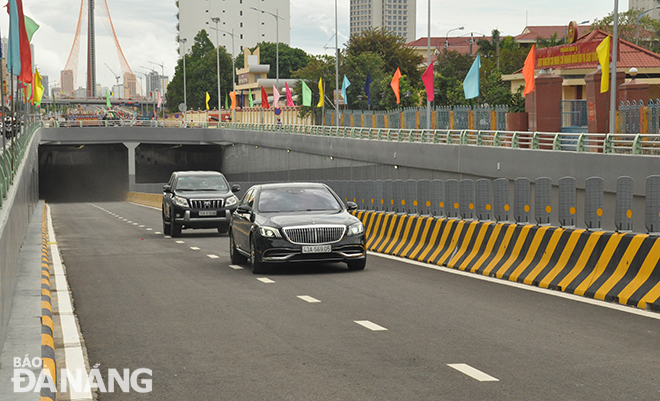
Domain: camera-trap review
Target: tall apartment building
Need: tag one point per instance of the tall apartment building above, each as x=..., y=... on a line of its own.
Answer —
x=645, y=5
x=398, y=16
x=249, y=26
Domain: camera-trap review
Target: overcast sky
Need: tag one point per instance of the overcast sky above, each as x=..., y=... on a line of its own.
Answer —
x=146, y=29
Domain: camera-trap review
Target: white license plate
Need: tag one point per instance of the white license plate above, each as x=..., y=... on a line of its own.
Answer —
x=316, y=249
x=208, y=212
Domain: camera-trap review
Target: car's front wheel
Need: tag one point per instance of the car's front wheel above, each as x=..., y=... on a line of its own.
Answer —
x=167, y=229
x=357, y=264
x=175, y=229
x=255, y=261
x=236, y=257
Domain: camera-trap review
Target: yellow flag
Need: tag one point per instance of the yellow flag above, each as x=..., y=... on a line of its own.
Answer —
x=321, y=92
x=207, y=100
x=38, y=88
x=603, y=52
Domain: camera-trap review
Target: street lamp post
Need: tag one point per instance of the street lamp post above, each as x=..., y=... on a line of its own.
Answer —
x=185, y=96
x=160, y=79
x=217, y=52
x=336, y=69
x=447, y=35
x=233, y=65
x=613, y=88
x=639, y=17
x=277, y=38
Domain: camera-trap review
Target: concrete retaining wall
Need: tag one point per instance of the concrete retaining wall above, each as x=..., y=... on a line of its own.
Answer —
x=15, y=217
x=609, y=266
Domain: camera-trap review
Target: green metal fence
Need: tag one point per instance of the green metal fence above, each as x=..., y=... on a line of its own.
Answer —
x=12, y=152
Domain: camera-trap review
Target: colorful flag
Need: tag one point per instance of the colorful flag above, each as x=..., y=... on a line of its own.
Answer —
x=528, y=71
x=276, y=97
x=471, y=82
x=226, y=102
x=19, y=59
x=208, y=97
x=395, y=85
x=427, y=79
x=30, y=27
x=289, y=97
x=250, y=98
x=160, y=100
x=264, y=98
x=344, y=86
x=367, y=89
x=603, y=52
x=107, y=99
x=232, y=95
x=321, y=100
x=307, y=95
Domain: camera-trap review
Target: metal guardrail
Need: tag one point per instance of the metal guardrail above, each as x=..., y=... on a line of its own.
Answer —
x=633, y=144
x=11, y=155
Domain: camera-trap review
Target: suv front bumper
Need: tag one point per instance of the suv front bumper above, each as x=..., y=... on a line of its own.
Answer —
x=222, y=218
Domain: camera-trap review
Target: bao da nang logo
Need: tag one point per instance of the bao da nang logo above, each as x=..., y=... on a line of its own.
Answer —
x=78, y=380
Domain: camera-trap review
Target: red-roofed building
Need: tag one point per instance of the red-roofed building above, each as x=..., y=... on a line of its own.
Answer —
x=531, y=34
x=646, y=62
x=462, y=44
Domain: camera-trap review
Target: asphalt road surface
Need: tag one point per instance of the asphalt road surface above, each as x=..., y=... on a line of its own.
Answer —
x=395, y=331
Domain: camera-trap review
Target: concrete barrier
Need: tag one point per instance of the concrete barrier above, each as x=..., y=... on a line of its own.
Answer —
x=155, y=200
x=609, y=266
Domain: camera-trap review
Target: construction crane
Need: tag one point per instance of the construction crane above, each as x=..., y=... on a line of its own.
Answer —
x=117, y=77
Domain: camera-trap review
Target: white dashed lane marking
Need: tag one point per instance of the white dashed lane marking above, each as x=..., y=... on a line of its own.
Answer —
x=265, y=280
x=370, y=325
x=235, y=267
x=472, y=372
x=180, y=242
x=309, y=299
x=213, y=256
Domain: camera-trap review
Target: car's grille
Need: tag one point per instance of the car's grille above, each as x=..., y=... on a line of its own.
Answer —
x=206, y=204
x=314, y=234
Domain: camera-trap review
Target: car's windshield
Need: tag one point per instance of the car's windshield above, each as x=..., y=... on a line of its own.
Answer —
x=297, y=200
x=202, y=183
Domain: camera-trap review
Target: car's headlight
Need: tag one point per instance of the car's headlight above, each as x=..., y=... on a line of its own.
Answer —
x=355, y=229
x=231, y=201
x=270, y=232
x=179, y=201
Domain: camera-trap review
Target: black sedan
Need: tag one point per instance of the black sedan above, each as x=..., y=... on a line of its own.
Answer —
x=295, y=222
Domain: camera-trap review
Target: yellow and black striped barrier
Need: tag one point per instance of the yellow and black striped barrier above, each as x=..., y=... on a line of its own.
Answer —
x=609, y=266
x=47, y=330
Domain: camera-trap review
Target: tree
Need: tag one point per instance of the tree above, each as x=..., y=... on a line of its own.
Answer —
x=627, y=27
x=201, y=76
x=391, y=48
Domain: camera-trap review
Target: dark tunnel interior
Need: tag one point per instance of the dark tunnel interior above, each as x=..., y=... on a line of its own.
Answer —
x=99, y=173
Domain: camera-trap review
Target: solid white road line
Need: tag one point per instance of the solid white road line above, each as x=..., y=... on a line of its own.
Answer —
x=472, y=372
x=572, y=297
x=265, y=280
x=309, y=299
x=370, y=325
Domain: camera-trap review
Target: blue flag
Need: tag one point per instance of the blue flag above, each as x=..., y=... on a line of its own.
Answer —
x=366, y=89
x=345, y=85
x=471, y=83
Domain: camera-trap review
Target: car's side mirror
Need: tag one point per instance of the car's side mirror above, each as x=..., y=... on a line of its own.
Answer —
x=235, y=188
x=350, y=205
x=167, y=188
x=243, y=209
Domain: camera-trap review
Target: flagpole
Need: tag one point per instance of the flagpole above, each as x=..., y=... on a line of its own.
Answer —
x=613, y=88
x=428, y=55
x=336, y=68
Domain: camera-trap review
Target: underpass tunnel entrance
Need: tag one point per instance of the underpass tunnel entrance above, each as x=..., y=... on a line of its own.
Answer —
x=155, y=163
x=83, y=173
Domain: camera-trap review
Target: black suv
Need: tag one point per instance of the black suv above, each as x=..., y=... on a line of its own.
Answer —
x=198, y=199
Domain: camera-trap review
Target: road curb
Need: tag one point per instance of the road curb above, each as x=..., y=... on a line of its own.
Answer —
x=47, y=330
